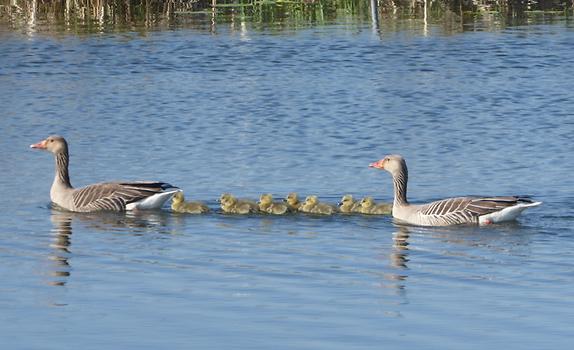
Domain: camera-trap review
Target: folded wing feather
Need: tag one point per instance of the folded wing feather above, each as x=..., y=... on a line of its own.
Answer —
x=461, y=210
x=114, y=195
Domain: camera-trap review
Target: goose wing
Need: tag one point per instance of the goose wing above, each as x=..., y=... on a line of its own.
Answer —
x=461, y=210
x=114, y=196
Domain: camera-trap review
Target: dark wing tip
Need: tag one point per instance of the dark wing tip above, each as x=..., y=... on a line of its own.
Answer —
x=166, y=186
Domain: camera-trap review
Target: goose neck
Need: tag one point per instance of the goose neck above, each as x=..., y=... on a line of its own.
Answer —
x=400, y=180
x=62, y=176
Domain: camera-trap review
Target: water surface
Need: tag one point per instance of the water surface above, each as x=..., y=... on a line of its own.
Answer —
x=306, y=110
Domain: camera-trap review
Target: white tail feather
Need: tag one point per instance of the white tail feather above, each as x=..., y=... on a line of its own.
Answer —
x=506, y=214
x=153, y=202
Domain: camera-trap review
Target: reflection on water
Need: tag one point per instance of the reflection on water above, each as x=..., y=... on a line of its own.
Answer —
x=399, y=253
x=252, y=112
x=505, y=237
x=61, y=232
x=136, y=223
x=132, y=221
x=397, y=272
x=100, y=16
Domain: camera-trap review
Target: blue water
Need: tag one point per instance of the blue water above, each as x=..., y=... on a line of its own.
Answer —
x=475, y=112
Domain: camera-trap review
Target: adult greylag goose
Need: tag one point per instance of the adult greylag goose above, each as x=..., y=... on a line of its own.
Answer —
x=368, y=206
x=450, y=211
x=267, y=205
x=112, y=196
x=179, y=205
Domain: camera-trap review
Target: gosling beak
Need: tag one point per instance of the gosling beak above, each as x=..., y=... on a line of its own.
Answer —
x=39, y=145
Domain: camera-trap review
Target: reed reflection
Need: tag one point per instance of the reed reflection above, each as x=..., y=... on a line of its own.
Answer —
x=99, y=16
x=375, y=16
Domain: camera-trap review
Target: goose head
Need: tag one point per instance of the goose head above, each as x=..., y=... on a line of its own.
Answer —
x=54, y=144
x=393, y=163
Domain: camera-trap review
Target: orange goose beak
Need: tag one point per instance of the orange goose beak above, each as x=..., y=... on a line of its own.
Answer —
x=378, y=165
x=39, y=145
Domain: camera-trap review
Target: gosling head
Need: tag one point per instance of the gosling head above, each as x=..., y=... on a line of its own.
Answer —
x=311, y=200
x=367, y=202
x=266, y=199
x=227, y=199
x=346, y=200
x=292, y=198
x=178, y=197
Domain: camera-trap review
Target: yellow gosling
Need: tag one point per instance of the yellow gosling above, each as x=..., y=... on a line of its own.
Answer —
x=313, y=206
x=232, y=205
x=292, y=201
x=267, y=205
x=368, y=206
x=179, y=205
x=349, y=205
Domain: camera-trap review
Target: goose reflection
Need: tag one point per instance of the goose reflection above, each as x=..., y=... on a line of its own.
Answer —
x=396, y=273
x=61, y=254
x=399, y=253
x=398, y=258
x=61, y=232
x=506, y=238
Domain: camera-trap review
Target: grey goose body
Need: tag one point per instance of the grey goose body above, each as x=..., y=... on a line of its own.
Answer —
x=110, y=196
x=450, y=211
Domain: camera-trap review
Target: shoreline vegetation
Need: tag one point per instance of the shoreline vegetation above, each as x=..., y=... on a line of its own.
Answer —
x=92, y=16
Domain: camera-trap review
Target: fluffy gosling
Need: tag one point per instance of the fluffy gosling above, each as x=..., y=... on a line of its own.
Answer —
x=232, y=205
x=179, y=205
x=349, y=205
x=292, y=201
x=368, y=206
x=313, y=206
x=267, y=205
